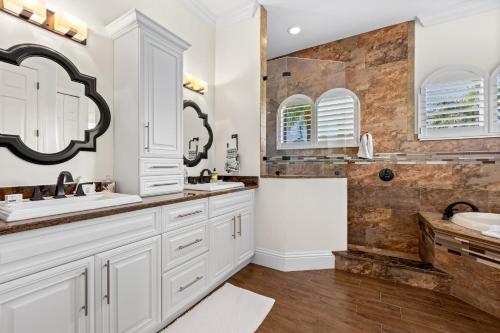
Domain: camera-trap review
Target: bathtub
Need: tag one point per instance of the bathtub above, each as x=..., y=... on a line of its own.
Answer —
x=486, y=223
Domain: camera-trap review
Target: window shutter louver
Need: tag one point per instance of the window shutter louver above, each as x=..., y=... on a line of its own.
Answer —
x=497, y=92
x=459, y=102
x=296, y=123
x=335, y=119
x=455, y=104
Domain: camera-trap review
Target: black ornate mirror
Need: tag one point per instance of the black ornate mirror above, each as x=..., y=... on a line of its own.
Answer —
x=49, y=111
x=198, y=136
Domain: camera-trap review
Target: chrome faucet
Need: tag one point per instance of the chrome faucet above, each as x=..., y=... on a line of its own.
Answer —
x=64, y=176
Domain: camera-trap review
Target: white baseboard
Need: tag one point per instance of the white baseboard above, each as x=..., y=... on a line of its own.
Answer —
x=294, y=261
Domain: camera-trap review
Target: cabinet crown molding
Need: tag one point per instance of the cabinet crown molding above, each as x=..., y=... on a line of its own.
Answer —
x=135, y=19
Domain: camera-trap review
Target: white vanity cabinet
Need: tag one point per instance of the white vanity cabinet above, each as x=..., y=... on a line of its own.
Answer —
x=232, y=233
x=131, y=272
x=148, y=106
x=128, y=287
x=60, y=299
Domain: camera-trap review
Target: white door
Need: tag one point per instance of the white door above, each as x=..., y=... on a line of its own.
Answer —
x=58, y=300
x=18, y=103
x=244, y=236
x=68, y=118
x=162, y=99
x=128, y=287
x=222, y=240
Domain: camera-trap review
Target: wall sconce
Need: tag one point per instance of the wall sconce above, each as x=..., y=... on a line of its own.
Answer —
x=31, y=10
x=70, y=27
x=36, y=12
x=194, y=84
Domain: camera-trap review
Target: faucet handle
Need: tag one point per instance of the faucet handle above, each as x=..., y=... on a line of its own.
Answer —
x=79, y=189
x=37, y=194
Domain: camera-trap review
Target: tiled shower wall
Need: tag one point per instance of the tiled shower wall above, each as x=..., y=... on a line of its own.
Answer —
x=379, y=67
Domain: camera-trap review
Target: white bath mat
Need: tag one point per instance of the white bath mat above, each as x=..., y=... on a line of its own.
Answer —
x=228, y=310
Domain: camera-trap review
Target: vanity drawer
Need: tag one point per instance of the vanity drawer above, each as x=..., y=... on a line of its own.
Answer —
x=182, y=245
x=32, y=251
x=161, y=185
x=183, y=285
x=160, y=167
x=228, y=203
x=184, y=214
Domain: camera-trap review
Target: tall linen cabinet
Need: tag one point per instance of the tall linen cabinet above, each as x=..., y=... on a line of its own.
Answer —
x=148, y=156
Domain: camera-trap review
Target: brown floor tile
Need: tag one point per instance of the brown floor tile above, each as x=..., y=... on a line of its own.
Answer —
x=331, y=301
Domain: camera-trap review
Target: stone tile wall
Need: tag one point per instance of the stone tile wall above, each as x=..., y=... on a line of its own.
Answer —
x=379, y=67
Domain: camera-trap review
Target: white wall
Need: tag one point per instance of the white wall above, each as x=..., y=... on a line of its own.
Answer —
x=237, y=81
x=474, y=40
x=300, y=220
x=96, y=59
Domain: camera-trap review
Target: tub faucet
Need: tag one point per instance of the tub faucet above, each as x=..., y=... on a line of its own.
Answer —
x=450, y=210
x=64, y=176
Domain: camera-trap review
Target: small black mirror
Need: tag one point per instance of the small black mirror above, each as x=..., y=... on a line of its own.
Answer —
x=198, y=135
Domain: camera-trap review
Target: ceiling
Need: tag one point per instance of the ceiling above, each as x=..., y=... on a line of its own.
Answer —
x=323, y=21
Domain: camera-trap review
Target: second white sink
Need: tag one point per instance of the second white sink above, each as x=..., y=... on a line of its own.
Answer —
x=10, y=212
x=219, y=186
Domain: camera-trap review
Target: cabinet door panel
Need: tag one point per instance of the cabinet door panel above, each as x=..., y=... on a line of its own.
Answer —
x=163, y=99
x=222, y=235
x=244, y=236
x=130, y=277
x=57, y=300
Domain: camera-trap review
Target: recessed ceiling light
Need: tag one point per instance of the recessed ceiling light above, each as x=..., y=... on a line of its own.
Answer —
x=295, y=30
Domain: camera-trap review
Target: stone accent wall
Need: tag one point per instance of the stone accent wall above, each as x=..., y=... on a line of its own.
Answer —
x=379, y=67
x=385, y=214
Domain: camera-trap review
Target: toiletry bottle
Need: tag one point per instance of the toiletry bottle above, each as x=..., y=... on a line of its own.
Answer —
x=215, y=176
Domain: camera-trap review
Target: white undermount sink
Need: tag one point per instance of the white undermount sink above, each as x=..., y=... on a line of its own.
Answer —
x=219, y=186
x=488, y=224
x=10, y=212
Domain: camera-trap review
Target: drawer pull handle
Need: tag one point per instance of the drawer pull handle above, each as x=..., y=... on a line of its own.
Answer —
x=234, y=227
x=163, y=167
x=189, y=214
x=86, y=305
x=182, y=247
x=163, y=184
x=182, y=288
x=146, y=125
x=239, y=220
x=108, y=282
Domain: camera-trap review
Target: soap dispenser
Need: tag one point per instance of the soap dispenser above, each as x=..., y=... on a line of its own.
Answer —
x=215, y=176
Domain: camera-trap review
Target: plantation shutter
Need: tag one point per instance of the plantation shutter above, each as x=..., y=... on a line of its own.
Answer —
x=453, y=104
x=497, y=94
x=295, y=122
x=337, y=119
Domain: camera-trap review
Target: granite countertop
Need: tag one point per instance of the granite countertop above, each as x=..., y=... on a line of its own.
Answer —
x=436, y=222
x=148, y=202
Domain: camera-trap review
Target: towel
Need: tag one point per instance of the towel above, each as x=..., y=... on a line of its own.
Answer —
x=366, y=146
x=232, y=160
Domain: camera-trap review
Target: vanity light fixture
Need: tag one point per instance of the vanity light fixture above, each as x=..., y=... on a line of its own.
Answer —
x=36, y=12
x=295, y=30
x=31, y=10
x=70, y=27
x=192, y=83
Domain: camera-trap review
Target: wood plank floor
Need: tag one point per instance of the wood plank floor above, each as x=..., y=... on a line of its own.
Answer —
x=337, y=301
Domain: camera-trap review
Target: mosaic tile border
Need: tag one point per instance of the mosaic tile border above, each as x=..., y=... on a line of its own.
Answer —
x=397, y=158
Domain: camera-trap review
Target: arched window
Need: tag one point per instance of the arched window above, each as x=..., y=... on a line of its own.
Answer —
x=495, y=101
x=336, y=120
x=294, y=122
x=453, y=104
